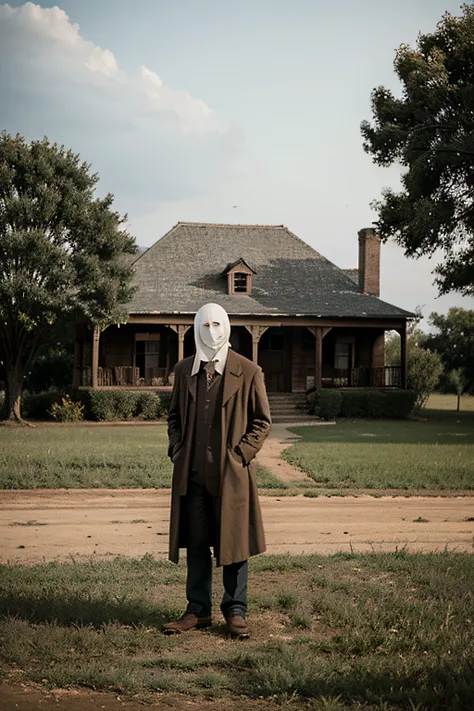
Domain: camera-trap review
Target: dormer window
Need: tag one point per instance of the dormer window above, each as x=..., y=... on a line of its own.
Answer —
x=239, y=278
x=240, y=283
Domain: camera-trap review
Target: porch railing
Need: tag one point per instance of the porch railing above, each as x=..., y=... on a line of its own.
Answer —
x=127, y=375
x=365, y=377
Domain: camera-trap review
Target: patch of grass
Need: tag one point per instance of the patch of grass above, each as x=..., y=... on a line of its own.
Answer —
x=267, y=480
x=420, y=519
x=92, y=457
x=287, y=601
x=84, y=457
x=369, y=631
x=439, y=401
x=398, y=455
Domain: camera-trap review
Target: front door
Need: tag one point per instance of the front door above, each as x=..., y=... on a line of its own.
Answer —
x=274, y=357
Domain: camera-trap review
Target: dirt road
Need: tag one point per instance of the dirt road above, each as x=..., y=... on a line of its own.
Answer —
x=56, y=524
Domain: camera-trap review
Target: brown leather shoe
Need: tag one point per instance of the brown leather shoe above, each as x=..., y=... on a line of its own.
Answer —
x=238, y=627
x=189, y=621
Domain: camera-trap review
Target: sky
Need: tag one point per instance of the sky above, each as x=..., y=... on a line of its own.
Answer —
x=242, y=112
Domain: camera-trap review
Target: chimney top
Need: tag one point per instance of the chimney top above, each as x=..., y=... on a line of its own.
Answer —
x=369, y=261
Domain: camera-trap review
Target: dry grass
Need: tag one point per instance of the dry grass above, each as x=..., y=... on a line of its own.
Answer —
x=367, y=632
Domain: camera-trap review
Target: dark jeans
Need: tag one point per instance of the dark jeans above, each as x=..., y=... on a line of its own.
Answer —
x=201, y=513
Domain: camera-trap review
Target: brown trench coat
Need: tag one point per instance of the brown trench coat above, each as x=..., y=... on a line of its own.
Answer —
x=245, y=422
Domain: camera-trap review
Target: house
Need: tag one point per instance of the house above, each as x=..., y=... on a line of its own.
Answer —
x=303, y=319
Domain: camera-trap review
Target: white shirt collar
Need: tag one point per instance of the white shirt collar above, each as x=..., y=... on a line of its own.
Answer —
x=220, y=359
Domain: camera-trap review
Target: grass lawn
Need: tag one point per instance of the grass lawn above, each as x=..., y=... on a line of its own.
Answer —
x=437, y=401
x=436, y=454
x=346, y=632
x=90, y=456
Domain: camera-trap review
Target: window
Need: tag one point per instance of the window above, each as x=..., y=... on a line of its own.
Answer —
x=341, y=358
x=147, y=353
x=277, y=342
x=240, y=283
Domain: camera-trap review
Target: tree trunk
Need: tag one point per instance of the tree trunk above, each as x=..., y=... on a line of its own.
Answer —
x=14, y=386
x=459, y=401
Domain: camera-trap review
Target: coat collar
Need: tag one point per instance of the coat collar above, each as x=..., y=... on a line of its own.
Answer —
x=232, y=378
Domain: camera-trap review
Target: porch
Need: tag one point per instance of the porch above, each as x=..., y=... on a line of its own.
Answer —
x=294, y=356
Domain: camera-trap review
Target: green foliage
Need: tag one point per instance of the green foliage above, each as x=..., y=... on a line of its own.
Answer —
x=67, y=410
x=110, y=405
x=353, y=404
x=148, y=406
x=376, y=404
x=97, y=405
x=424, y=372
x=399, y=403
x=330, y=403
x=61, y=249
x=53, y=369
x=327, y=403
x=430, y=132
x=454, y=341
x=165, y=401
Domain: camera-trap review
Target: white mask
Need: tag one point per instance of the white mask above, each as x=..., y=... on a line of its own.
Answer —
x=211, y=331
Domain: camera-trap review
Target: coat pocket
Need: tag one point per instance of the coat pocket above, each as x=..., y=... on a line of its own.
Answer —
x=236, y=457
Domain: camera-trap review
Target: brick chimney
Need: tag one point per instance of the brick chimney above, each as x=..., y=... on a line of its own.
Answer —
x=369, y=261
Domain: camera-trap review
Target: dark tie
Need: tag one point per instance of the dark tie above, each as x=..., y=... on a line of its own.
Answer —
x=210, y=369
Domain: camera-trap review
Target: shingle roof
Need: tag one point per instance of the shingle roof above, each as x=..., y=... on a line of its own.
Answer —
x=184, y=270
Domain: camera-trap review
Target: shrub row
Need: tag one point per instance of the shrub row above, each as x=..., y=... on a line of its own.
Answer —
x=331, y=403
x=98, y=405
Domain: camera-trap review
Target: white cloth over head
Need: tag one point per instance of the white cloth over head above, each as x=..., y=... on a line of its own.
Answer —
x=211, y=335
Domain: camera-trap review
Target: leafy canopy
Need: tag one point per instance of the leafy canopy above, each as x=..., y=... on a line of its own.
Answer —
x=429, y=131
x=63, y=251
x=61, y=248
x=453, y=339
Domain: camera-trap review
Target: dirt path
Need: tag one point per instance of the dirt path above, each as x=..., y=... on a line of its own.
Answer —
x=31, y=697
x=270, y=455
x=59, y=524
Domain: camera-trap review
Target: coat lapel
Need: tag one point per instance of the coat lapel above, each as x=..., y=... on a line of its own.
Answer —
x=192, y=385
x=232, y=377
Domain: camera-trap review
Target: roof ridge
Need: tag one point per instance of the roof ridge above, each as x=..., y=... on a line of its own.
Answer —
x=229, y=224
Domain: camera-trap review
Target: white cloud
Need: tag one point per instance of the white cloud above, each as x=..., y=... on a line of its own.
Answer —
x=149, y=142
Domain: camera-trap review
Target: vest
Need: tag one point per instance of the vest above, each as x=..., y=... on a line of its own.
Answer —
x=207, y=437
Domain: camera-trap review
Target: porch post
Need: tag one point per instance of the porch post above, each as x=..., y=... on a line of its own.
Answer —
x=403, y=354
x=318, y=372
x=76, y=376
x=181, y=330
x=95, y=357
x=256, y=332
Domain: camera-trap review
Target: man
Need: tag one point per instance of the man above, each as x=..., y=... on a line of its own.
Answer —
x=219, y=418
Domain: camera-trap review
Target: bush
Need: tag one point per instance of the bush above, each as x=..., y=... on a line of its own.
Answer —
x=354, y=404
x=376, y=404
x=165, y=401
x=148, y=405
x=67, y=410
x=425, y=368
x=111, y=405
x=400, y=403
x=328, y=403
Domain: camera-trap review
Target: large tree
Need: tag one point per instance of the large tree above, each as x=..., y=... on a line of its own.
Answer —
x=62, y=252
x=429, y=132
x=453, y=339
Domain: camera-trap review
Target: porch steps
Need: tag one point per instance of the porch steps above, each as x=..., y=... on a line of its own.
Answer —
x=288, y=407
